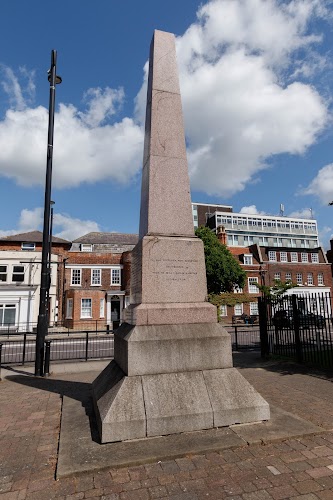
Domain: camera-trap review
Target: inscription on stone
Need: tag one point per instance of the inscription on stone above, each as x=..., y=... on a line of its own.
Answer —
x=174, y=269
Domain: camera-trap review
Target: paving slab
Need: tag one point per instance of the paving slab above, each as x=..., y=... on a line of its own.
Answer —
x=80, y=450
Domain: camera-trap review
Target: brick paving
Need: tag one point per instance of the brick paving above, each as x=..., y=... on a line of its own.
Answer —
x=301, y=468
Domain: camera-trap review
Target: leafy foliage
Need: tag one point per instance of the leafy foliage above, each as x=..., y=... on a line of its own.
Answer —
x=222, y=270
x=277, y=290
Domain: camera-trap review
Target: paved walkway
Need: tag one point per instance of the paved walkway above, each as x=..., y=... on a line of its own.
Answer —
x=300, y=468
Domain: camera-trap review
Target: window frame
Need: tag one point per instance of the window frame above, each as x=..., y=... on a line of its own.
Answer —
x=315, y=258
x=117, y=282
x=89, y=308
x=5, y=273
x=310, y=281
x=248, y=257
x=17, y=273
x=293, y=256
x=299, y=278
x=74, y=270
x=86, y=247
x=321, y=279
x=92, y=277
x=240, y=312
x=251, y=287
x=283, y=256
x=7, y=306
x=256, y=310
x=28, y=246
x=304, y=258
x=272, y=256
x=69, y=308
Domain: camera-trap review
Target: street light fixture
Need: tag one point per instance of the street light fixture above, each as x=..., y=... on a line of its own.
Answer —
x=43, y=320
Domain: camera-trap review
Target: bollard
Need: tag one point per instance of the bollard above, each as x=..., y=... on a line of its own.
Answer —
x=47, y=357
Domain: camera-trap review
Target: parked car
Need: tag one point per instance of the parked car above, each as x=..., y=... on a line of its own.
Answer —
x=284, y=319
x=307, y=319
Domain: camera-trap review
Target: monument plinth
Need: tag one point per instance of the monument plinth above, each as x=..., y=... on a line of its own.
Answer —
x=172, y=370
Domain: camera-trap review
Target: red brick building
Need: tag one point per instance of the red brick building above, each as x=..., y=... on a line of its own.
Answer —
x=96, y=285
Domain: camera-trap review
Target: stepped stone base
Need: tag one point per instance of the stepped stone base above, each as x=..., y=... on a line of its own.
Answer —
x=185, y=398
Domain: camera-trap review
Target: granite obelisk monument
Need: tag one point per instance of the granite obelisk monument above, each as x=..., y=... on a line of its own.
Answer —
x=172, y=370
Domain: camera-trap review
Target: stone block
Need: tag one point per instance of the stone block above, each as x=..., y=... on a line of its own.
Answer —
x=168, y=270
x=233, y=399
x=169, y=314
x=141, y=350
x=176, y=402
x=119, y=405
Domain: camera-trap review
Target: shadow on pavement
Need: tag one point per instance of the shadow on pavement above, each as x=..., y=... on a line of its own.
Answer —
x=252, y=359
x=80, y=391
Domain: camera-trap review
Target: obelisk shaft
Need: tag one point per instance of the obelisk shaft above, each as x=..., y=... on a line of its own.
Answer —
x=165, y=193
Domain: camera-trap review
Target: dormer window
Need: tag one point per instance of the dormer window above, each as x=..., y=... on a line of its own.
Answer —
x=248, y=260
x=86, y=247
x=28, y=246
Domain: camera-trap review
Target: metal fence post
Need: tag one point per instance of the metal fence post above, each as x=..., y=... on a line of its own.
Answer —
x=24, y=348
x=47, y=357
x=87, y=345
x=236, y=338
x=264, y=345
x=0, y=360
x=298, y=344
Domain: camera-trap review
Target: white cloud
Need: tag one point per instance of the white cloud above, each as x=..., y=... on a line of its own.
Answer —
x=64, y=226
x=322, y=185
x=303, y=213
x=237, y=111
x=251, y=209
x=71, y=228
x=242, y=104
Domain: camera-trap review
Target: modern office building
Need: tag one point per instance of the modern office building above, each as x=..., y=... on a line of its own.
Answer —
x=269, y=248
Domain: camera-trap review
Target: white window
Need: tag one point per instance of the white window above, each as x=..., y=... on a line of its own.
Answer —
x=288, y=276
x=310, y=279
x=101, y=308
x=272, y=255
x=96, y=277
x=252, y=285
x=115, y=276
x=277, y=276
x=69, y=309
x=320, y=278
x=86, y=247
x=254, y=308
x=304, y=257
x=7, y=314
x=18, y=274
x=86, y=308
x=237, y=289
x=248, y=260
x=314, y=258
x=3, y=273
x=283, y=257
x=76, y=277
x=294, y=257
x=28, y=246
x=299, y=278
x=238, y=309
x=223, y=310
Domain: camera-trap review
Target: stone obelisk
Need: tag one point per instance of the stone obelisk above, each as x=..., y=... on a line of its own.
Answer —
x=172, y=370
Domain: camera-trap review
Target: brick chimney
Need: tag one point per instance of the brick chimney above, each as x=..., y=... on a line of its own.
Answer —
x=222, y=235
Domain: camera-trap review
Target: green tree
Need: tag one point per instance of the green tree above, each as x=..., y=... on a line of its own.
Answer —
x=277, y=290
x=222, y=270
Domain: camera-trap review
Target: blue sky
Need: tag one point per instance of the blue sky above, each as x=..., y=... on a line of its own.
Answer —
x=256, y=83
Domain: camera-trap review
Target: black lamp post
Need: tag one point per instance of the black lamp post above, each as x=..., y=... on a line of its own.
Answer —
x=43, y=319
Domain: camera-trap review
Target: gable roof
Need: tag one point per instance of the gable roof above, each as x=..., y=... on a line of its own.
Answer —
x=31, y=237
x=108, y=238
